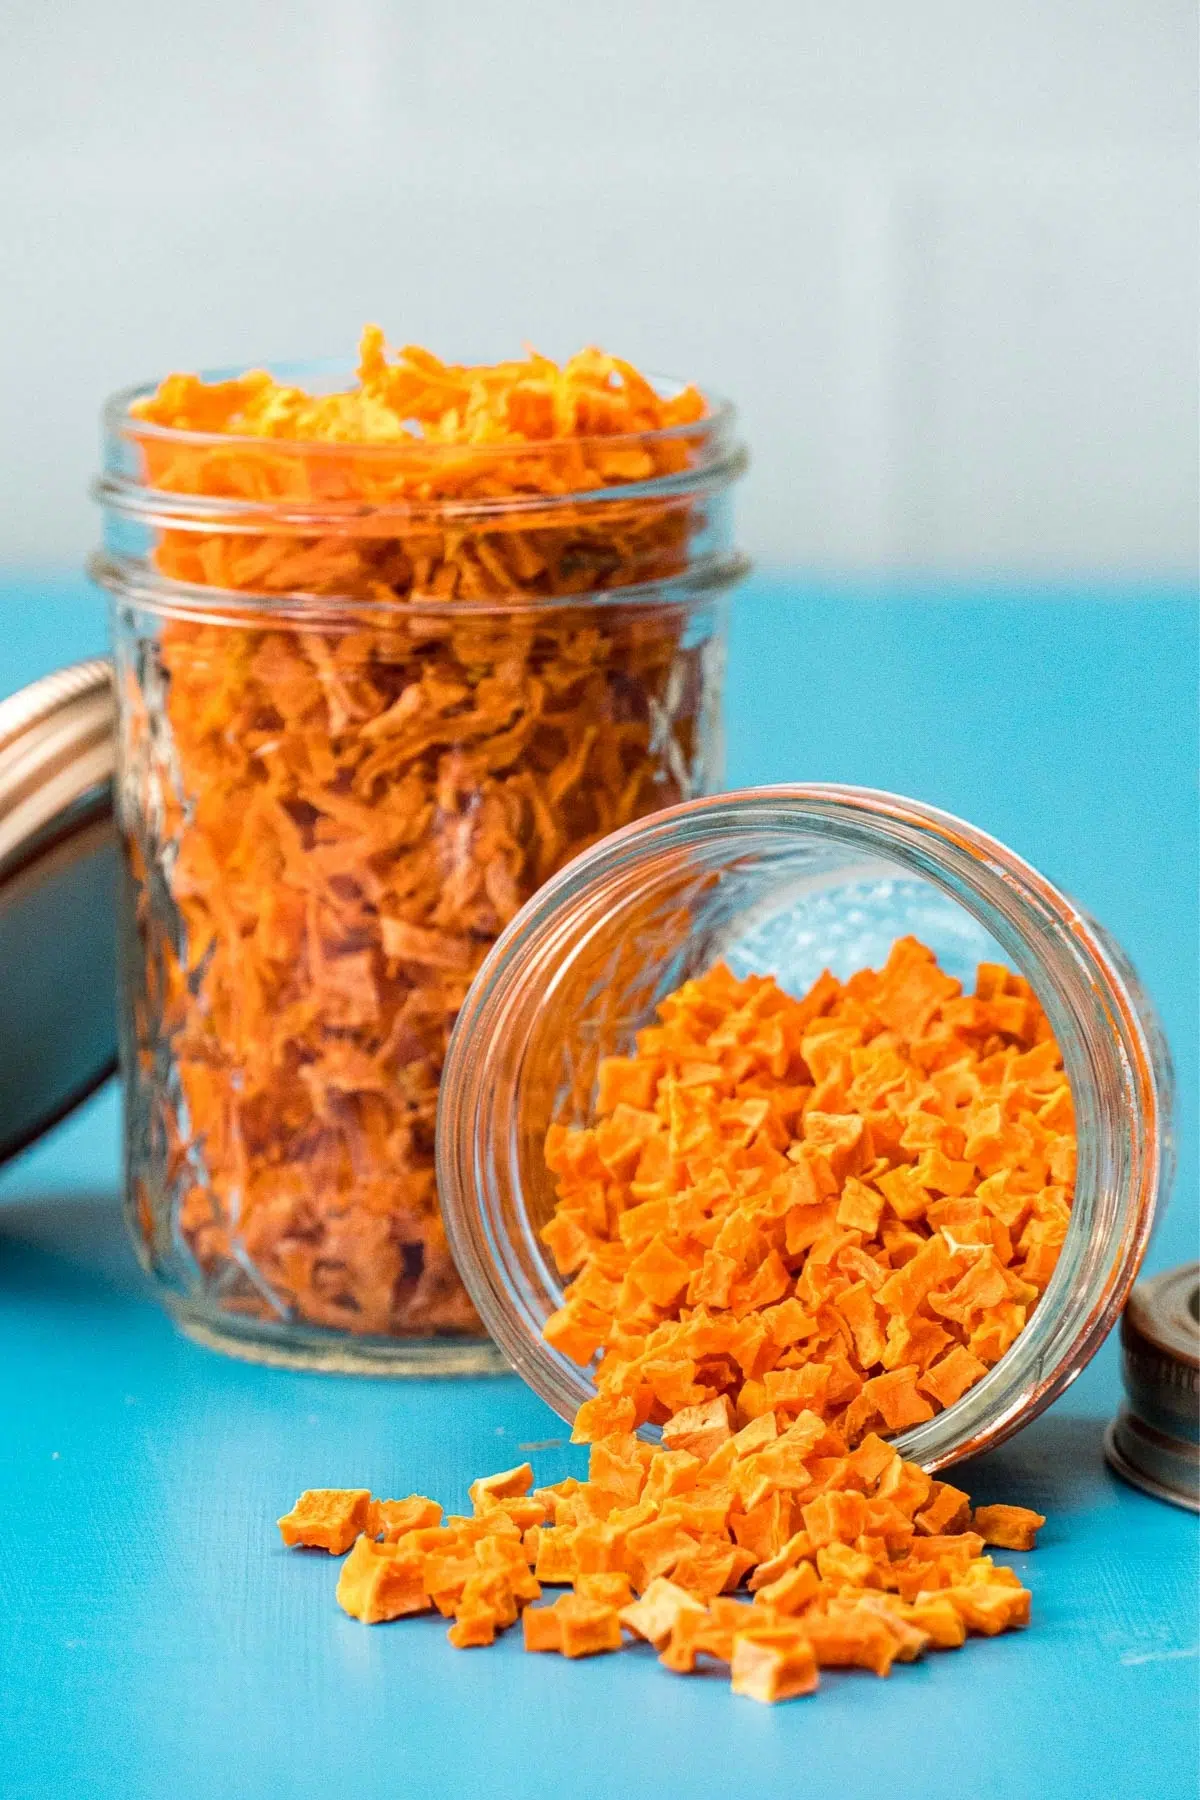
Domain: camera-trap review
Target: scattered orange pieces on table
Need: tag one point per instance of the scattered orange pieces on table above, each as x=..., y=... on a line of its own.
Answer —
x=855, y=1258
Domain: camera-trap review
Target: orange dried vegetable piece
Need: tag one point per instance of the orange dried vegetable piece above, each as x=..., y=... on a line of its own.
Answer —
x=948, y=1509
x=367, y=776
x=793, y=1590
x=509, y=1484
x=327, y=1519
x=473, y=1629
x=653, y=1617
x=853, y=1638
x=573, y=1626
x=381, y=1581
x=394, y=1519
x=948, y=1379
x=939, y=1619
x=554, y=1556
x=1010, y=1527
x=542, y=1628
x=990, y=1607
x=773, y=1662
x=605, y=1589
x=700, y=1429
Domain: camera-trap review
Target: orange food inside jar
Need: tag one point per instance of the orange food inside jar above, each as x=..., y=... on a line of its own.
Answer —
x=437, y=652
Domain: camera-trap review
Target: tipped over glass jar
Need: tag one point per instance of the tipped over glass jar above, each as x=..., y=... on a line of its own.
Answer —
x=789, y=881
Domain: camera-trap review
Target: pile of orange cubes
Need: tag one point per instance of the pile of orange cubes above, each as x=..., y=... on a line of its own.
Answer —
x=795, y=1226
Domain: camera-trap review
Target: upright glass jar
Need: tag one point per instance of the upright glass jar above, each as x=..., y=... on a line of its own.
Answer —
x=788, y=881
x=370, y=699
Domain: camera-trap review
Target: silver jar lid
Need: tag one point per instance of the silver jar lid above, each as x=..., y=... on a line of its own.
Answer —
x=58, y=854
x=1154, y=1441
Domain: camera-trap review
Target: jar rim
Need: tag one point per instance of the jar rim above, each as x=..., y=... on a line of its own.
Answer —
x=1116, y=1061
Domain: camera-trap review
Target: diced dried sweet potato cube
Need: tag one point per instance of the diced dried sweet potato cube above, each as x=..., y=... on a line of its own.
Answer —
x=598, y=1549
x=473, y=1630
x=896, y=1397
x=1009, y=1527
x=393, y=1519
x=542, y=1628
x=793, y=1590
x=712, y=1568
x=855, y=1638
x=327, y=1519
x=726, y=1617
x=682, y=1647
x=841, y=1566
x=381, y=1581
x=798, y=1548
x=564, y=1331
x=835, y=1518
x=990, y=1609
x=607, y=1589
x=554, y=1554
x=586, y=1627
x=772, y=1663
x=653, y=1616
x=939, y=1618
x=509, y=1484
x=605, y=1416
x=948, y=1509
x=660, y=1273
x=701, y=1429
x=671, y=1472
x=948, y=1379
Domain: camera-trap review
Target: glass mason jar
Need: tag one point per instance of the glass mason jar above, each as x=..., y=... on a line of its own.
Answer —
x=370, y=699
x=788, y=881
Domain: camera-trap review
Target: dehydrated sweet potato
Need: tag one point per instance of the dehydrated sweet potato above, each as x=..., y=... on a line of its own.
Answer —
x=771, y=1472
x=389, y=719
x=825, y=1189
x=327, y=1519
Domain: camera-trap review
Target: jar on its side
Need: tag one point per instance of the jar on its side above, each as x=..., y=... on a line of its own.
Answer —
x=788, y=881
x=361, y=721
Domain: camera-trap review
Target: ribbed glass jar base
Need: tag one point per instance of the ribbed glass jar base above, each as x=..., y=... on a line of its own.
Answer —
x=293, y=1346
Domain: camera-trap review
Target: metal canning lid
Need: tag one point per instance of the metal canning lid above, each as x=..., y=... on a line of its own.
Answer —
x=58, y=1033
x=1154, y=1441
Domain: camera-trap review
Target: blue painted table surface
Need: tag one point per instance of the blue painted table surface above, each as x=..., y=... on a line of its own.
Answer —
x=156, y=1640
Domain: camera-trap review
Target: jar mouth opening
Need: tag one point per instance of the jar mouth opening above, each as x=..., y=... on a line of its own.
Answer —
x=131, y=579
x=325, y=373
x=1118, y=1071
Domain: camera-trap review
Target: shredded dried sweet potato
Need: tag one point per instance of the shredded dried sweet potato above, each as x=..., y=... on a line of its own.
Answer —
x=779, y=1197
x=357, y=791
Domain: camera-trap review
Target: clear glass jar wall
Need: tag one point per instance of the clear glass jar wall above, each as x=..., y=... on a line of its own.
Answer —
x=354, y=739
x=788, y=881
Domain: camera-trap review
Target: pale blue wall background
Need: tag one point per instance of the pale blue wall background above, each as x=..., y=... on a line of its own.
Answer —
x=943, y=252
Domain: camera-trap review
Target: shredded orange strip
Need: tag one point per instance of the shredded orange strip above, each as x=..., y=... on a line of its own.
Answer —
x=778, y=1198
x=351, y=807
